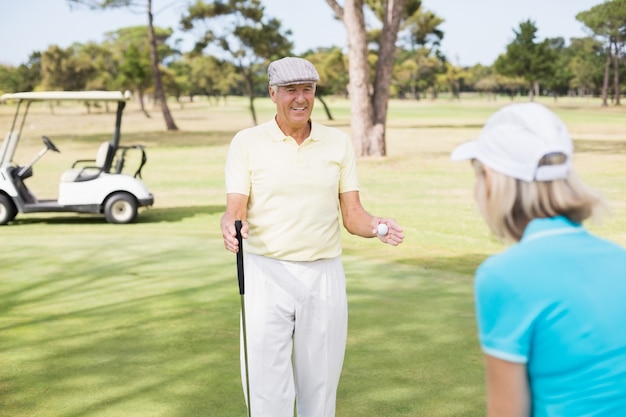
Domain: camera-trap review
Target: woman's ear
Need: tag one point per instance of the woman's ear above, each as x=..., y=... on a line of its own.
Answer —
x=487, y=182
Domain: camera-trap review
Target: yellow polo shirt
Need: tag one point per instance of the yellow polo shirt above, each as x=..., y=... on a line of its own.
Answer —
x=293, y=191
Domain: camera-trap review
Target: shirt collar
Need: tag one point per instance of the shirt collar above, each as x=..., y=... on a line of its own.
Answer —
x=278, y=135
x=550, y=226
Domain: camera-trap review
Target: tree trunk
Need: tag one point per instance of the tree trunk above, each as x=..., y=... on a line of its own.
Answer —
x=605, y=84
x=142, y=105
x=156, y=73
x=249, y=83
x=536, y=87
x=616, y=74
x=251, y=99
x=382, y=79
x=326, y=108
x=361, y=118
x=369, y=102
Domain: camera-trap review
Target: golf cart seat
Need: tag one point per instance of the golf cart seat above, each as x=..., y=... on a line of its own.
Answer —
x=101, y=164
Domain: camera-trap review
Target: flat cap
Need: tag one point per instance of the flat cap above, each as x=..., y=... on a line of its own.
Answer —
x=292, y=70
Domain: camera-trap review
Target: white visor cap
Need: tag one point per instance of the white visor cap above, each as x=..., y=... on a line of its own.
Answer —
x=516, y=138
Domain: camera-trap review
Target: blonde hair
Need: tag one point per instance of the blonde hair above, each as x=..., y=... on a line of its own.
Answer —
x=511, y=203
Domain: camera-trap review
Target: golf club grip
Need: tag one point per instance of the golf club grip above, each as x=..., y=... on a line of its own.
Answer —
x=240, y=257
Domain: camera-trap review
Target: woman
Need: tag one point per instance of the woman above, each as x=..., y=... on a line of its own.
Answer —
x=551, y=309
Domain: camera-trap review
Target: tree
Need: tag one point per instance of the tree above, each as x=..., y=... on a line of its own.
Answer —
x=154, y=60
x=64, y=70
x=26, y=77
x=452, y=79
x=9, y=79
x=416, y=72
x=369, y=99
x=423, y=28
x=404, y=79
x=102, y=60
x=488, y=85
x=586, y=64
x=135, y=72
x=558, y=79
x=131, y=52
x=526, y=58
x=608, y=21
x=332, y=66
x=212, y=77
x=245, y=34
x=483, y=79
x=421, y=33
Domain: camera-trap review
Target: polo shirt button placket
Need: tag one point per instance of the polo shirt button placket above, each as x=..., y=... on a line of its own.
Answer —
x=300, y=163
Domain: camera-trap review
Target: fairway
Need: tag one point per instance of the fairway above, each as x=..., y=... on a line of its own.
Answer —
x=141, y=320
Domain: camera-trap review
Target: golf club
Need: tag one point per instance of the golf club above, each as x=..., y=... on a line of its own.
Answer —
x=240, y=278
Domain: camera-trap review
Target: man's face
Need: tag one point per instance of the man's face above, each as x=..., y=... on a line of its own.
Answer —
x=294, y=103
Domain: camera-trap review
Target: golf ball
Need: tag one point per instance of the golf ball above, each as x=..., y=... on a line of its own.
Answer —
x=382, y=229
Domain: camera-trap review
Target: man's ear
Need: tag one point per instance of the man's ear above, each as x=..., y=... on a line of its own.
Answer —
x=272, y=93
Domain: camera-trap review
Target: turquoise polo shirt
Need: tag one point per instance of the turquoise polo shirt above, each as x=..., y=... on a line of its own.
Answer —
x=556, y=301
x=293, y=190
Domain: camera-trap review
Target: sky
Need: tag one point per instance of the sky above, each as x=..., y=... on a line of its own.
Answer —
x=475, y=31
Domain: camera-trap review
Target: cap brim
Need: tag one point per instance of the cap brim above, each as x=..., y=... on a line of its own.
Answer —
x=294, y=82
x=465, y=151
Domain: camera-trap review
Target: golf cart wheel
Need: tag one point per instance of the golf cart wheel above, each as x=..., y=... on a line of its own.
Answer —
x=7, y=209
x=120, y=208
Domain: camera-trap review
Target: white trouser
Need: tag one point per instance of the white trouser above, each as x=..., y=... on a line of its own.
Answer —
x=301, y=305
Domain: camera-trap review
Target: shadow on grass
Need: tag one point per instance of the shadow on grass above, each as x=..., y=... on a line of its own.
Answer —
x=104, y=334
x=154, y=333
x=146, y=324
x=441, y=126
x=464, y=264
x=156, y=139
x=410, y=309
x=150, y=215
x=174, y=214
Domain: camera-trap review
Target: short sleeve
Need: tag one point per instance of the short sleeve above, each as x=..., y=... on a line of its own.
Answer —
x=505, y=320
x=236, y=170
x=348, y=180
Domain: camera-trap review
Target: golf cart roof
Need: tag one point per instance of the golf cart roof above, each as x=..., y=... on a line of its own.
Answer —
x=25, y=99
x=68, y=95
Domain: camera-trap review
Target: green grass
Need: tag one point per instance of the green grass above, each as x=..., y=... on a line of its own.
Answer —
x=142, y=320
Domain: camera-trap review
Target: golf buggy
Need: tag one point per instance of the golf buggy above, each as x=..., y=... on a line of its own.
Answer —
x=90, y=185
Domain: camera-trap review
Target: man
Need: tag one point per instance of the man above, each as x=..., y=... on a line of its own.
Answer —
x=288, y=180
